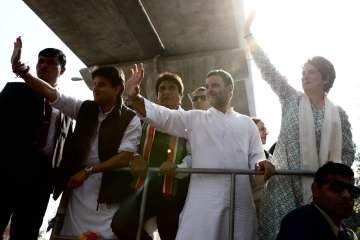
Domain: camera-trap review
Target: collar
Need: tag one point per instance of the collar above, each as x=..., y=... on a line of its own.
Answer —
x=333, y=226
x=117, y=107
x=214, y=110
x=180, y=109
x=108, y=112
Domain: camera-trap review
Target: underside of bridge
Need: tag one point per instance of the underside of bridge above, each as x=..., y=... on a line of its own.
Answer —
x=187, y=37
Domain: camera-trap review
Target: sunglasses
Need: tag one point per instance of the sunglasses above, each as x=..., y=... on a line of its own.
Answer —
x=339, y=187
x=199, y=97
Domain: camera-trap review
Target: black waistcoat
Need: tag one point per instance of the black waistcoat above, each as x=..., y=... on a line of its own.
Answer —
x=115, y=185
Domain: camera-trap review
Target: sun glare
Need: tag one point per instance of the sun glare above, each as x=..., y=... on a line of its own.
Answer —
x=290, y=32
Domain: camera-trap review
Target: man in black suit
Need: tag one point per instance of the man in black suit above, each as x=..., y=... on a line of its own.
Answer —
x=31, y=141
x=333, y=200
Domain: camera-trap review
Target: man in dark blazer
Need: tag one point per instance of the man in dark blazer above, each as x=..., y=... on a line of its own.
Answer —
x=31, y=140
x=333, y=200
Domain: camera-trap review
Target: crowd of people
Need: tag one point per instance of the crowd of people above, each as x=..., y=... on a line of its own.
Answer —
x=120, y=128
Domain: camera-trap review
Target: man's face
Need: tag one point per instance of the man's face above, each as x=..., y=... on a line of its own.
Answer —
x=334, y=197
x=168, y=95
x=105, y=93
x=199, y=100
x=217, y=93
x=49, y=69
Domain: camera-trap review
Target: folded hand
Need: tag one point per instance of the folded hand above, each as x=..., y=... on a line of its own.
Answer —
x=77, y=179
x=138, y=166
x=267, y=167
x=168, y=168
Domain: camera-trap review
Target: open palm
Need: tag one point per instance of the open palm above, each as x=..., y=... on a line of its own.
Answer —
x=132, y=86
x=16, y=55
x=248, y=22
x=18, y=68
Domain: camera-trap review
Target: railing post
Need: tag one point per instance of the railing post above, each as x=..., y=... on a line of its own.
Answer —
x=142, y=208
x=60, y=215
x=232, y=206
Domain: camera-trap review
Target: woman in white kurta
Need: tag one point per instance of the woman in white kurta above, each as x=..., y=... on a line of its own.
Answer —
x=313, y=131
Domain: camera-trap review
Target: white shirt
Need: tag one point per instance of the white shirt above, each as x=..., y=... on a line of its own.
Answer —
x=50, y=141
x=217, y=140
x=336, y=229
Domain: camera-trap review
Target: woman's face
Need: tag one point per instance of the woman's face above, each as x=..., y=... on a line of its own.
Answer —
x=263, y=131
x=311, y=79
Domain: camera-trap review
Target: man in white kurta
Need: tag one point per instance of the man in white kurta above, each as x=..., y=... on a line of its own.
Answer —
x=219, y=138
x=84, y=213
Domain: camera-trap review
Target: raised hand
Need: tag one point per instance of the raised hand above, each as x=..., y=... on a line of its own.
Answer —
x=16, y=55
x=18, y=68
x=132, y=85
x=248, y=23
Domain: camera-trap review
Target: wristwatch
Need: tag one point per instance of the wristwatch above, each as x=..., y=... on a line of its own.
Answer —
x=89, y=170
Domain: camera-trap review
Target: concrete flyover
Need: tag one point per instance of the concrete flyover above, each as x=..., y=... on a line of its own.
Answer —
x=189, y=37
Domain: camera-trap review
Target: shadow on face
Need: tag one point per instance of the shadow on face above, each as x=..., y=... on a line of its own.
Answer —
x=104, y=92
x=49, y=69
x=336, y=196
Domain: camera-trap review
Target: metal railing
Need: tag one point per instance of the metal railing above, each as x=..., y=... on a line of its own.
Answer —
x=231, y=172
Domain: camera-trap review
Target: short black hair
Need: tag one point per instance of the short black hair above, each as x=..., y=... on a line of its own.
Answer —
x=170, y=77
x=332, y=168
x=54, y=53
x=224, y=75
x=110, y=73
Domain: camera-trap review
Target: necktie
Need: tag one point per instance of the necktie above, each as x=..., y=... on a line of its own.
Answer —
x=45, y=123
x=343, y=235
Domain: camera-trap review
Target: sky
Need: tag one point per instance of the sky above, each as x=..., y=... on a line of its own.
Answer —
x=289, y=31
x=17, y=19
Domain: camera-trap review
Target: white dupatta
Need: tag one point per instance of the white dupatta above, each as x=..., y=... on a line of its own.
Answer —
x=330, y=143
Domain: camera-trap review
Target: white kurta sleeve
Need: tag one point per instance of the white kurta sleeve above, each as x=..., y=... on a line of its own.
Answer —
x=70, y=106
x=256, y=151
x=186, y=163
x=131, y=138
x=187, y=160
x=173, y=122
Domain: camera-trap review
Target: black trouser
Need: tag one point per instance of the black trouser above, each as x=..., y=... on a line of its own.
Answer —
x=24, y=199
x=166, y=210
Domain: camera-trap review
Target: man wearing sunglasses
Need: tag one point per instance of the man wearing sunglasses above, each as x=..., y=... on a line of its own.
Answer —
x=333, y=200
x=199, y=100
